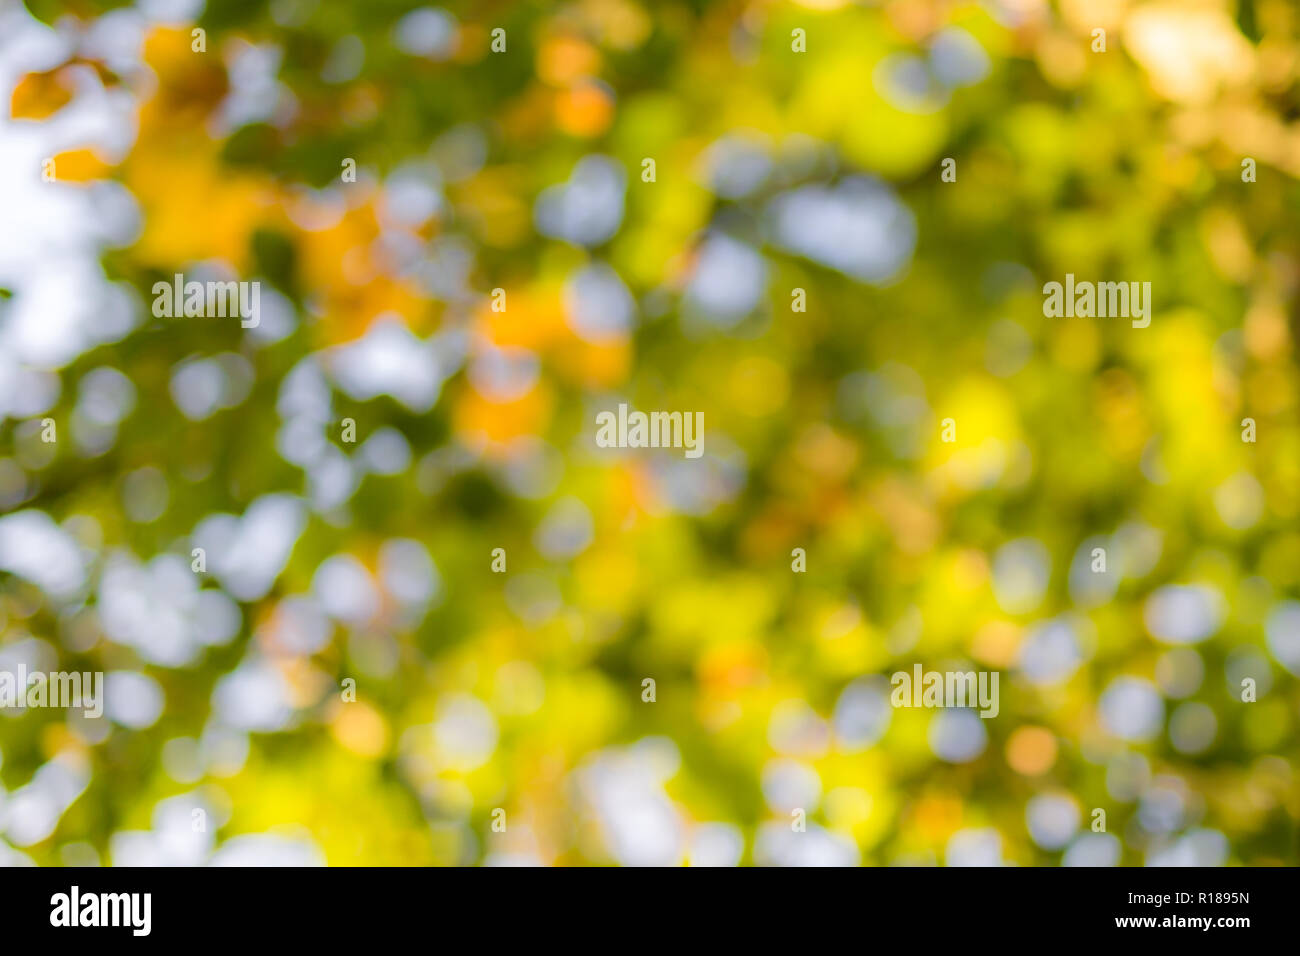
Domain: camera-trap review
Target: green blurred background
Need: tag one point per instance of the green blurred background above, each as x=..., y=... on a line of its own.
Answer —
x=347, y=680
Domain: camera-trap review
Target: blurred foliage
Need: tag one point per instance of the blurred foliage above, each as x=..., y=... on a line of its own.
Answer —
x=1120, y=165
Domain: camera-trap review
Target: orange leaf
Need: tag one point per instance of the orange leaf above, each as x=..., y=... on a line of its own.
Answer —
x=79, y=166
x=40, y=95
